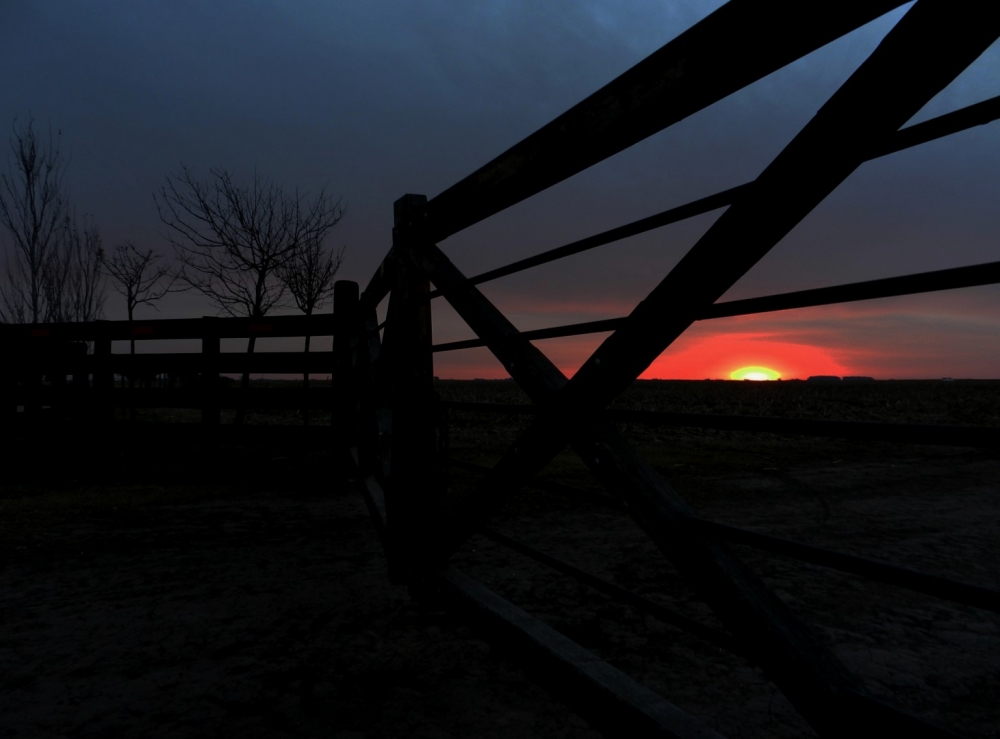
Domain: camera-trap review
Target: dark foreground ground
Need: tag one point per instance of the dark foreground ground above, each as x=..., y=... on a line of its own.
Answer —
x=160, y=584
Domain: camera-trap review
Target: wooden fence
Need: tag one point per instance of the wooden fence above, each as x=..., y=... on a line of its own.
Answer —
x=384, y=372
x=69, y=370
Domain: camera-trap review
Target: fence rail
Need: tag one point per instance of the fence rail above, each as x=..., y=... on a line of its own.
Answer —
x=56, y=373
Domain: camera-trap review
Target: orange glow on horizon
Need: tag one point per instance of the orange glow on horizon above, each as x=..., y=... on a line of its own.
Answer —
x=714, y=356
x=691, y=358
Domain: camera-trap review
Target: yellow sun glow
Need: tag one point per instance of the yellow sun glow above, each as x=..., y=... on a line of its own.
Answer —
x=754, y=373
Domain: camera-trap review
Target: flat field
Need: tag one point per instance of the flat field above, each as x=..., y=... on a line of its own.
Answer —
x=159, y=582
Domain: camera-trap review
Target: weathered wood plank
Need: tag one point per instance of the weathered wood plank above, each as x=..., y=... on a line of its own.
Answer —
x=899, y=78
x=524, y=362
x=802, y=667
x=805, y=670
x=373, y=495
x=381, y=282
x=920, y=582
x=973, y=275
x=977, y=114
x=606, y=696
x=736, y=45
x=622, y=595
x=923, y=282
x=346, y=341
x=409, y=383
x=320, y=324
x=986, y=437
x=209, y=360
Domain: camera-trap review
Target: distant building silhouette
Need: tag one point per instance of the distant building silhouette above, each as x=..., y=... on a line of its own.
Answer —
x=823, y=378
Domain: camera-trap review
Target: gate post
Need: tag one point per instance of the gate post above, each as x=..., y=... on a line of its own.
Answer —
x=345, y=344
x=210, y=348
x=104, y=378
x=409, y=376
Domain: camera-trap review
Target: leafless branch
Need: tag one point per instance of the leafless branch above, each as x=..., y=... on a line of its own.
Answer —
x=309, y=274
x=233, y=240
x=34, y=211
x=139, y=277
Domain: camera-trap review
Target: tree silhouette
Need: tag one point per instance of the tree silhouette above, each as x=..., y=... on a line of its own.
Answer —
x=308, y=275
x=54, y=270
x=33, y=209
x=138, y=276
x=233, y=240
x=83, y=292
x=142, y=280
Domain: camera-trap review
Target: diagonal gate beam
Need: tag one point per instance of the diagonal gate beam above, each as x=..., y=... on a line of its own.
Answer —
x=738, y=44
x=806, y=671
x=891, y=86
x=688, y=74
x=816, y=161
x=859, y=118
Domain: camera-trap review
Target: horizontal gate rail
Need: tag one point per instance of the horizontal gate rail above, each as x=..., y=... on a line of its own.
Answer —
x=589, y=684
x=965, y=118
x=891, y=574
x=585, y=681
x=986, y=437
x=919, y=582
x=974, y=275
x=600, y=499
x=623, y=595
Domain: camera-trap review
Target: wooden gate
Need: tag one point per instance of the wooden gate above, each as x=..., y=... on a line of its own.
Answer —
x=385, y=372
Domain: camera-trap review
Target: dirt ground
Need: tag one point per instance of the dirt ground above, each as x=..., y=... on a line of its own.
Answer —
x=258, y=606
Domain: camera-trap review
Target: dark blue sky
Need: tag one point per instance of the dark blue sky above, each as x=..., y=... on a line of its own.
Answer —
x=376, y=99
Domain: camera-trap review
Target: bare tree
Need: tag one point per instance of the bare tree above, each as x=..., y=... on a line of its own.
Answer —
x=34, y=211
x=308, y=275
x=83, y=289
x=233, y=240
x=139, y=277
x=142, y=280
x=54, y=273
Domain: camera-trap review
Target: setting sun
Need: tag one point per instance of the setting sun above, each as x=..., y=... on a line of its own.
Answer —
x=754, y=373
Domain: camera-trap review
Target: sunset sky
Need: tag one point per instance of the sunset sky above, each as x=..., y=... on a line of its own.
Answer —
x=376, y=99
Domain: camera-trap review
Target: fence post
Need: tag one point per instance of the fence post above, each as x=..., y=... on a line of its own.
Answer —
x=104, y=379
x=12, y=358
x=81, y=379
x=33, y=378
x=345, y=343
x=373, y=432
x=409, y=374
x=58, y=367
x=210, y=349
